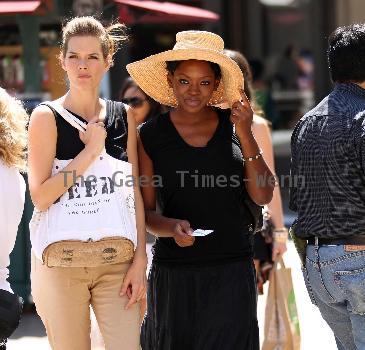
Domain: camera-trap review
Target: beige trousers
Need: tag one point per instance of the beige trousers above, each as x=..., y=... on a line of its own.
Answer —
x=63, y=296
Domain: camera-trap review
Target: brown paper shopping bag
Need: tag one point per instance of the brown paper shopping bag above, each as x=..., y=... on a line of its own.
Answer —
x=282, y=331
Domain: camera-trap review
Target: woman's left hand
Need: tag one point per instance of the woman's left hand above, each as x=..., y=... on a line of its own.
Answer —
x=135, y=281
x=242, y=115
x=278, y=250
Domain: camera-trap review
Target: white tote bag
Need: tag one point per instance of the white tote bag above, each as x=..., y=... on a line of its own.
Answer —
x=99, y=204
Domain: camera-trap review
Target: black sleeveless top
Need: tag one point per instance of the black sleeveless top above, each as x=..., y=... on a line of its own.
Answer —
x=69, y=144
x=204, y=185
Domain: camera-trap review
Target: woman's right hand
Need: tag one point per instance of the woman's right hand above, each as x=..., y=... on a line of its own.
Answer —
x=183, y=234
x=94, y=137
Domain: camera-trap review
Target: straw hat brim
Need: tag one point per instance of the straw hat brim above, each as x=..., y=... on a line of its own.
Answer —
x=151, y=75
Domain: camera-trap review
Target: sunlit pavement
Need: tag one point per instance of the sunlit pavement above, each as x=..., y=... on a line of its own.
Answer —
x=315, y=332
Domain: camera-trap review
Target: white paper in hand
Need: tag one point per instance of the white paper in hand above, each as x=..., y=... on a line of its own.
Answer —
x=201, y=233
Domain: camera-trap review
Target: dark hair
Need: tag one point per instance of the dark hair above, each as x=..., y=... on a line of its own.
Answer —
x=247, y=75
x=257, y=69
x=155, y=107
x=346, y=54
x=171, y=66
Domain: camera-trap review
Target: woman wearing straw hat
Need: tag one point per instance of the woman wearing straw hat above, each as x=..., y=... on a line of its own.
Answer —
x=202, y=170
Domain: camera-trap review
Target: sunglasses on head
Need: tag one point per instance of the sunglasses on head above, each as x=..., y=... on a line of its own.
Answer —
x=133, y=101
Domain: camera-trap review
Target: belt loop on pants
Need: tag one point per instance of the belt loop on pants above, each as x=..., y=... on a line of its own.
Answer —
x=316, y=250
x=316, y=241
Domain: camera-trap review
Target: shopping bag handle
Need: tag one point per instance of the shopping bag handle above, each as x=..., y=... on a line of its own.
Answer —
x=279, y=261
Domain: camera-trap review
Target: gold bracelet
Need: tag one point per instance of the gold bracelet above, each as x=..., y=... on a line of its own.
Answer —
x=250, y=159
x=281, y=229
x=280, y=235
x=280, y=240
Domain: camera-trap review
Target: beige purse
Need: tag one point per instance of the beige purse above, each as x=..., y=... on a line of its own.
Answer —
x=75, y=253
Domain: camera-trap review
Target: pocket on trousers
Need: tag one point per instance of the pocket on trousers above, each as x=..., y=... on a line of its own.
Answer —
x=307, y=284
x=352, y=284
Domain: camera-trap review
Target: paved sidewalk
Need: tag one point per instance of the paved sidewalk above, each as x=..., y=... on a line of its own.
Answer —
x=315, y=332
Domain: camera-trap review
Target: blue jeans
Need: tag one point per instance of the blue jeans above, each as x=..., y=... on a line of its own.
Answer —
x=335, y=281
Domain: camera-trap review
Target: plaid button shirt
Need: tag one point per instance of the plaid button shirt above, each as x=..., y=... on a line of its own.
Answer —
x=328, y=166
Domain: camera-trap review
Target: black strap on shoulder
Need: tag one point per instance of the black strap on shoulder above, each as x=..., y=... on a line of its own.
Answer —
x=55, y=114
x=117, y=114
x=109, y=112
x=117, y=122
x=45, y=103
x=121, y=110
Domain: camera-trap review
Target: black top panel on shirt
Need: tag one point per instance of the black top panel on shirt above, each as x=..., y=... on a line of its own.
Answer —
x=69, y=144
x=204, y=185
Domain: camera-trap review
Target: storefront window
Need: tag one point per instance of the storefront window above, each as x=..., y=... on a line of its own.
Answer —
x=12, y=74
x=287, y=72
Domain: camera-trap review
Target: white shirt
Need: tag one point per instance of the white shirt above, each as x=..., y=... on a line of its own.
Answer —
x=12, y=196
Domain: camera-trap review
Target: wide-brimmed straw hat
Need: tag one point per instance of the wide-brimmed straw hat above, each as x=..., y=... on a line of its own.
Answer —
x=151, y=73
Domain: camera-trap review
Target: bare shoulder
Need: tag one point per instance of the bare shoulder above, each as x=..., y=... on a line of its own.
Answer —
x=258, y=120
x=260, y=126
x=42, y=115
x=42, y=126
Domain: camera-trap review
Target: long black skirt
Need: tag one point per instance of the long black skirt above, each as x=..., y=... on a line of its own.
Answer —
x=201, y=308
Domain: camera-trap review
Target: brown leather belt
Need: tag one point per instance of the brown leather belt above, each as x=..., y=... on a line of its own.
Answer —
x=351, y=240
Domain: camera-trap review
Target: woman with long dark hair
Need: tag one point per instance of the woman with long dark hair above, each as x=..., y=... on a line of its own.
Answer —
x=144, y=107
x=270, y=243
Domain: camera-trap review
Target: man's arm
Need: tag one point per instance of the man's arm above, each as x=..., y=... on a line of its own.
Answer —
x=293, y=190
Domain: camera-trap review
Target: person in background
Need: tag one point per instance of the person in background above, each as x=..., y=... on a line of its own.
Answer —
x=144, y=106
x=262, y=91
x=270, y=244
x=288, y=69
x=328, y=164
x=13, y=143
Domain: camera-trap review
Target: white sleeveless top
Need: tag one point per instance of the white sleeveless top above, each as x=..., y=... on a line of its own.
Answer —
x=100, y=204
x=12, y=197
